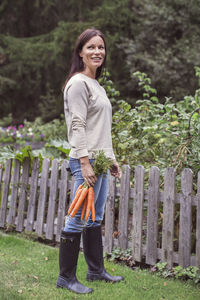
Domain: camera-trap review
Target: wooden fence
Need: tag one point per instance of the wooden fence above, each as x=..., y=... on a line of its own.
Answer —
x=37, y=201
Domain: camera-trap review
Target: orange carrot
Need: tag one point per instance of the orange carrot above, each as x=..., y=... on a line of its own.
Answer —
x=90, y=200
x=84, y=208
x=79, y=188
x=81, y=198
x=92, y=196
x=93, y=211
x=87, y=210
x=74, y=201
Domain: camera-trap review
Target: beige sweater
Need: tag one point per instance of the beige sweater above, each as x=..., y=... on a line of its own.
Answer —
x=88, y=115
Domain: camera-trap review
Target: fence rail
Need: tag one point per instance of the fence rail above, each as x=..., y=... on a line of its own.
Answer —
x=37, y=201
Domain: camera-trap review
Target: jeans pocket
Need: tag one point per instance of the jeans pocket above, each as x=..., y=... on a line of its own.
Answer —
x=74, y=165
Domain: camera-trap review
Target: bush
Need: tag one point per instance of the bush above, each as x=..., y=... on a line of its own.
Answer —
x=165, y=135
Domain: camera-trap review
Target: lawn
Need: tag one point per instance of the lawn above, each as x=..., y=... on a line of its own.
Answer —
x=28, y=270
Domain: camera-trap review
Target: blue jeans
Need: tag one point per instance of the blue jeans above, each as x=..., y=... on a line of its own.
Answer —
x=101, y=191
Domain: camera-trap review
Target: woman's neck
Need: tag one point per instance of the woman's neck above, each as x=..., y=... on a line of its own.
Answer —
x=90, y=73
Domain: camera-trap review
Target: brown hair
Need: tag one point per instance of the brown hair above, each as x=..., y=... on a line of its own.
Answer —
x=77, y=62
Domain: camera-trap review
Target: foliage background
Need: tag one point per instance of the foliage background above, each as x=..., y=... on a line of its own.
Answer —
x=161, y=38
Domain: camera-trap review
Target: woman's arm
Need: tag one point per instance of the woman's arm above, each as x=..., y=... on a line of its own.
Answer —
x=77, y=100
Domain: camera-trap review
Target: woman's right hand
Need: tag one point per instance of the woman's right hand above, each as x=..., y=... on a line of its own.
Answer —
x=87, y=171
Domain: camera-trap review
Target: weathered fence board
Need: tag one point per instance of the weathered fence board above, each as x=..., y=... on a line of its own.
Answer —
x=33, y=195
x=1, y=174
x=198, y=223
x=168, y=217
x=138, y=213
x=72, y=188
x=39, y=204
x=124, y=208
x=152, y=215
x=14, y=192
x=23, y=195
x=52, y=200
x=42, y=196
x=110, y=216
x=5, y=192
x=62, y=199
x=185, y=218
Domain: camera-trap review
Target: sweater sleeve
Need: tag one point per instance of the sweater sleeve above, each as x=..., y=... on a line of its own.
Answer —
x=77, y=98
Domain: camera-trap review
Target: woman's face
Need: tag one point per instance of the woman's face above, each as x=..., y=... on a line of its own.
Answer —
x=93, y=53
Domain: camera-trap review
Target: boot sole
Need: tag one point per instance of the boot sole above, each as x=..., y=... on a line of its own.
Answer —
x=96, y=278
x=71, y=290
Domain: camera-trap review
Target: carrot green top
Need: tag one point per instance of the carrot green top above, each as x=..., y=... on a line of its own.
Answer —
x=88, y=115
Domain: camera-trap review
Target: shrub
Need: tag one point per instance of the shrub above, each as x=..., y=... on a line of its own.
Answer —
x=152, y=133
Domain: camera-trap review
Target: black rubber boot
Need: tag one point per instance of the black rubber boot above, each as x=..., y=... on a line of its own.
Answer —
x=68, y=258
x=93, y=251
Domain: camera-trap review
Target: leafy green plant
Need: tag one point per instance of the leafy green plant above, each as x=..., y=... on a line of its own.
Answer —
x=190, y=272
x=111, y=91
x=177, y=272
x=6, y=152
x=54, y=149
x=62, y=146
x=162, y=270
x=120, y=255
x=153, y=133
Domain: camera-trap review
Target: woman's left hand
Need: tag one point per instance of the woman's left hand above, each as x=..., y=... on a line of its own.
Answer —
x=115, y=170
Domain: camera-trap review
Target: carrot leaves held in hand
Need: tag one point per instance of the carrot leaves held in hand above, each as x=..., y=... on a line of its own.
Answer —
x=101, y=163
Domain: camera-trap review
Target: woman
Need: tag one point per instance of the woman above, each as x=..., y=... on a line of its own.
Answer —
x=88, y=114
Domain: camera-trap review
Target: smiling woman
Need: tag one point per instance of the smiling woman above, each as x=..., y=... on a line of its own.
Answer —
x=93, y=54
x=88, y=114
x=86, y=37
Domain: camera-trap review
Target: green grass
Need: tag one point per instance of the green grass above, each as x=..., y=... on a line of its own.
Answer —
x=29, y=270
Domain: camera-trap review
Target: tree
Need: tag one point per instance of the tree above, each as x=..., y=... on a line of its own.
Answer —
x=37, y=38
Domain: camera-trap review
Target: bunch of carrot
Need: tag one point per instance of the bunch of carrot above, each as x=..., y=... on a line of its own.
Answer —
x=84, y=195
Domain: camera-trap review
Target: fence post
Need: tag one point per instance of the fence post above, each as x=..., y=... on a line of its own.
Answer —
x=123, y=207
x=185, y=218
x=23, y=194
x=168, y=217
x=1, y=174
x=62, y=199
x=110, y=216
x=14, y=192
x=138, y=213
x=71, y=190
x=42, y=196
x=4, y=198
x=33, y=194
x=198, y=224
x=152, y=215
x=52, y=200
